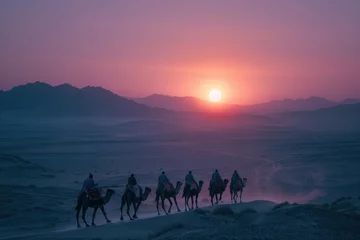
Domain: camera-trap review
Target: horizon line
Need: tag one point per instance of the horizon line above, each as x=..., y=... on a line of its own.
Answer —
x=178, y=96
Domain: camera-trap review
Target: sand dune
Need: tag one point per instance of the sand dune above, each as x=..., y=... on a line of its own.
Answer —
x=42, y=172
x=252, y=220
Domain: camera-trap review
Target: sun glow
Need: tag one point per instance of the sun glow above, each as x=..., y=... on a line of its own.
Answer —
x=215, y=95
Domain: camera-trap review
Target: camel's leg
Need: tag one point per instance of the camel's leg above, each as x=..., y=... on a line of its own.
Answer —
x=220, y=198
x=216, y=197
x=192, y=202
x=157, y=204
x=83, y=216
x=104, y=213
x=241, y=191
x=163, y=205
x=212, y=199
x=128, y=209
x=176, y=204
x=136, y=208
x=169, y=211
x=93, y=216
x=186, y=202
x=79, y=205
x=121, y=209
x=196, y=198
x=231, y=196
x=78, y=209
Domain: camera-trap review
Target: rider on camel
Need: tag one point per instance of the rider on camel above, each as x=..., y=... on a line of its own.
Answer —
x=132, y=180
x=190, y=181
x=214, y=178
x=236, y=177
x=132, y=185
x=88, y=186
x=164, y=180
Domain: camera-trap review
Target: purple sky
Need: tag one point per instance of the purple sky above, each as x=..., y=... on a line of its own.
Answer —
x=253, y=51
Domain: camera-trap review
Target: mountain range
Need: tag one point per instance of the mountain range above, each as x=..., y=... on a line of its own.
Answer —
x=39, y=99
x=340, y=117
x=193, y=104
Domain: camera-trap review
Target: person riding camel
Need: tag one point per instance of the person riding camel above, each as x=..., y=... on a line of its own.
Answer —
x=132, y=186
x=190, y=181
x=132, y=180
x=236, y=177
x=214, y=178
x=89, y=187
x=164, y=180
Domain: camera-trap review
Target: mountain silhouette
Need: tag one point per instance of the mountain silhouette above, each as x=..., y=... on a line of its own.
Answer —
x=350, y=101
x=182, y=104
x=41, y=99
x=286, y=105
x=65, y=100
x=341, y=117
x=193, y=104
x=188, y=104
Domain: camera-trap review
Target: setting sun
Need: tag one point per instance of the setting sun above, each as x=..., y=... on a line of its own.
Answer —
x=215, y=95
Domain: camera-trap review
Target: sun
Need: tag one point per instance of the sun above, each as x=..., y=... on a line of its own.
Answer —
x=215, y=95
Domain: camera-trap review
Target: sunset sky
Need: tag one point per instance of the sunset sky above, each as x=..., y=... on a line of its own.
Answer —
x=252, y=51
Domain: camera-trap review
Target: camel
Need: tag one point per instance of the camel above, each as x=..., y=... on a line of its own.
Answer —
x=163, y=193
x=235, y=188
x=217, y=189
x=84, y=203
x=129, y=198
x=191, y=194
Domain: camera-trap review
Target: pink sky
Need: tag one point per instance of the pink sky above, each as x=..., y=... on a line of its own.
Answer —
x=253, y=51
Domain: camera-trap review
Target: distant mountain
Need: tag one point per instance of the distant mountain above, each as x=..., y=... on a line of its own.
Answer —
x=187, y=104
x=350, y=101
x=192, y=104
x=65, y=100
x=182, y=104
x=286, y=105
x=341, y=117
x=39, y=99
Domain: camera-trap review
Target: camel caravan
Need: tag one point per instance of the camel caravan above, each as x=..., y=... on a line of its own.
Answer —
x=134, y=195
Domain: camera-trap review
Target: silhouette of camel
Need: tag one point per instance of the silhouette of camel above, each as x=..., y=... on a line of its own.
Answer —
x=235, y=188
x=129, y=198
x=163, y=193
x=84, y=203
x=217, y=189
x=191, y=194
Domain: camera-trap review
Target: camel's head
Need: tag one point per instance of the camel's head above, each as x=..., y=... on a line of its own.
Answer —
x=147, y=190
x=244, y=181
x=201, y=183
x=178, y=183
x=110, y=191
x=146, y=193
x=226, y=181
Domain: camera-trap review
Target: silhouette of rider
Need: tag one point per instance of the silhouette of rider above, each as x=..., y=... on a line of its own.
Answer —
x=235, y=177
x=189, y=180
x=164, y=180
x=132, y=180
x=132, y=184
x=88, y=185
x=214, y=178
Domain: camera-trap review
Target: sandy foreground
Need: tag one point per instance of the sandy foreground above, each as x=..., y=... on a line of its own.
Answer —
x=42, y=170
x=252, y=220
